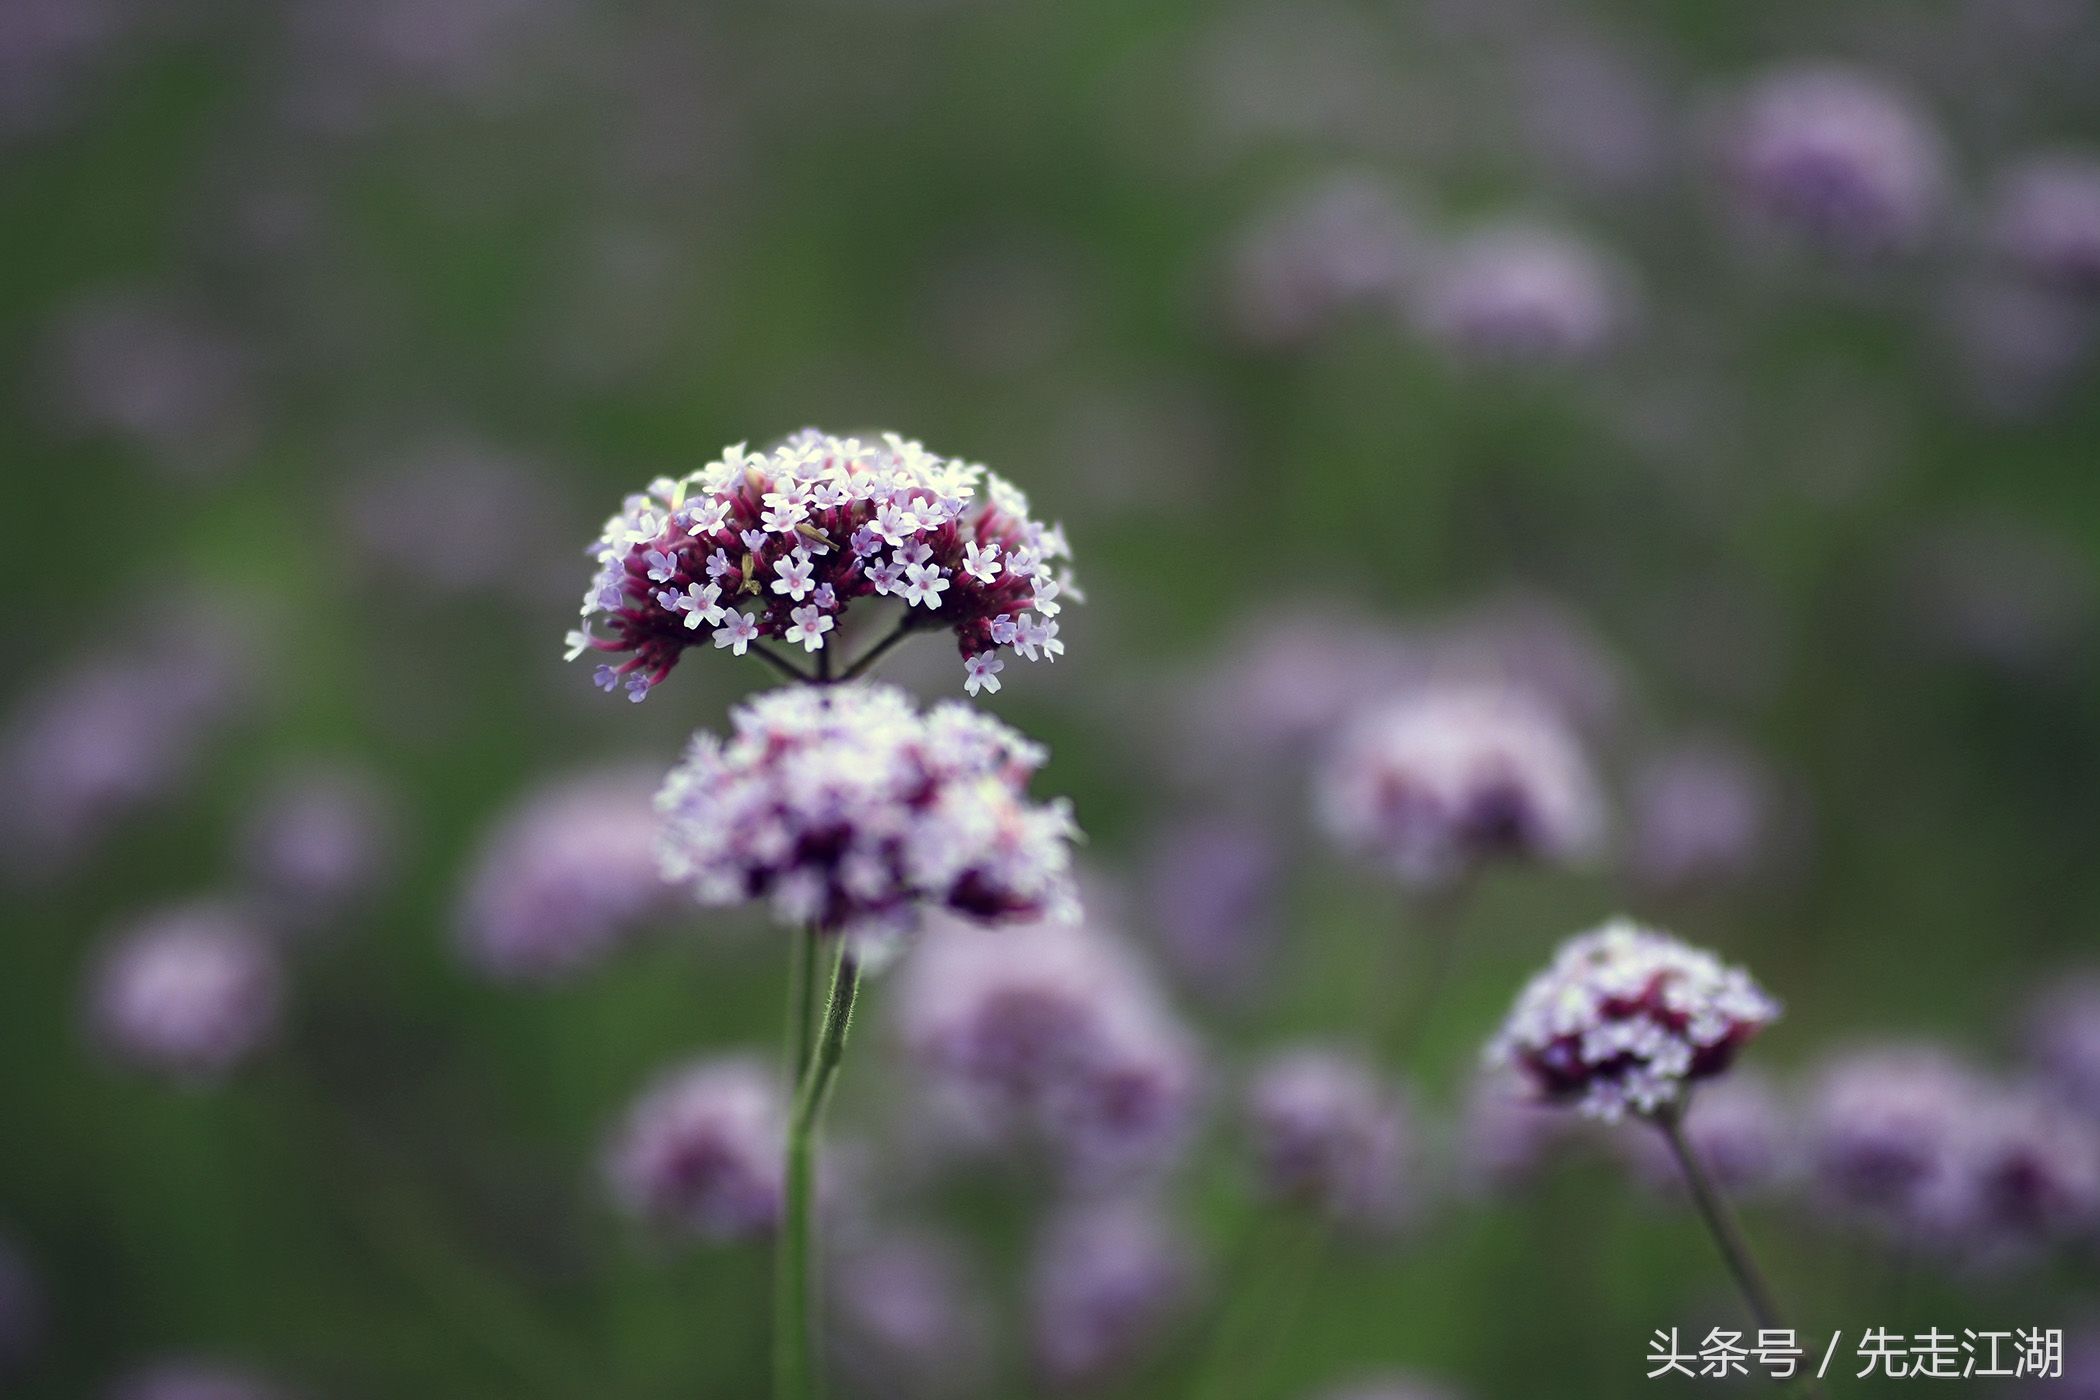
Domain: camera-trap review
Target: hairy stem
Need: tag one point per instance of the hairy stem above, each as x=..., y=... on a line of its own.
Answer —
x=794, y=1304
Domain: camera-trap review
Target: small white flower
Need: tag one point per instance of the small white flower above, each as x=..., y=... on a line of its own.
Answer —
x=885, y=577
x=737, y=632
x=662, y=565
x=924, y=584
x=707, y=516
x=982, y=672
x=792, y=576
x=981, y=562
x=810, y=625
x=578, y=642
x=701, y=603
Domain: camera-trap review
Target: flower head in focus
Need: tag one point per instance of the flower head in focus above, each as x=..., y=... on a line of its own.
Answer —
x=701, y=1151
x=1448, y=777
x=846, y=807
x=1837, y=157
x=780, y=544
x=1626, y=1020
x=189, y=992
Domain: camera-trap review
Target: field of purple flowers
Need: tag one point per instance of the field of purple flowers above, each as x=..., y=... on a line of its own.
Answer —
x=1271, y=701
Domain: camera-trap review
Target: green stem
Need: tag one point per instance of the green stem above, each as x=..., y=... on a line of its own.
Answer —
x=802, y=1001
x=794, y=1306
x=782, y=664
x=1727, y=1233
x=874, y=653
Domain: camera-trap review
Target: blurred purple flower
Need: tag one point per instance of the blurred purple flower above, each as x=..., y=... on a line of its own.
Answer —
x=2063, y=1040
x=1439, y=781
x=189, y=992
x=1889, y=1128
x=1211, y=893
x=1743, y=1130
x=1506, y=1131
x=908, y=1318
x=1051, y=1035
x=112, y=733
x=1343, y=245
x=2016, y=347
x=1328, y=1134
x=1533, y=643
x=49, y=49
x=1701, y=813
x=1837, y=157
x=319, y=843
x=195, y=1380
x=566, y=878
x=148, y=369
x=701, y=1152
x=2028, y=1177
x=2046, y=221
x=1524, y=294
x=1108, y=1282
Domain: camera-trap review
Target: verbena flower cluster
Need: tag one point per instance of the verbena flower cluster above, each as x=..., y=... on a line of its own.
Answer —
x=1109, y=1280
x=565, y=879
x=1052, y=1037
x=909, y=1316
x=1328, y=1134
x=1625, y=1019
x=701, y=1151
x=1449, y=776
x=190, y=992
x=779, y=545
x=846, y=807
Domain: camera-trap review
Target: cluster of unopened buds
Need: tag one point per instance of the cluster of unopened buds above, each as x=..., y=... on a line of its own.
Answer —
x=777, y=546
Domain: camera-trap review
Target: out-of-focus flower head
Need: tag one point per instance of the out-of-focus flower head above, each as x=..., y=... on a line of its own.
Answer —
x=1533, y=643
x=701, y=1152
x=1211, y=893
x=1743, y=1130
x=2028, y=1177
x=1627, y=1020
x=1050, y=1035
x=156, y=375
x=1328, y=1134
x=1343, y=245
x=846, y=807
x=1444, y=778
x=2062, y=1038
x=1837, y=157
x=21, y=1309
x=1888, y=1131
x=188, y=992
x=566, y=878
x=196, y=1379
x=1701, y=813
x=2046, y=221
x=1506, y=1132
x=907, y=1317
x=111, y=734
x=1523, y=294
x=778, y=545
x=1109, y=1280
x=319, y=843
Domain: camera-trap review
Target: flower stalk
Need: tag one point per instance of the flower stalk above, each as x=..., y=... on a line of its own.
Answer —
x=794, y=1359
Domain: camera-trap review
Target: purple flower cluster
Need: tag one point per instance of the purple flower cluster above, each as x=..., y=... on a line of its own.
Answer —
x=1327, y=1133
x=565, y=879
x=1835, y=156
x=701, y=1151
x=1109, y=1279
x=909, y=1317
x=318, y=843
x=1626, y=1020
x=190, y=993
x=780, y=544
x=1050, y=1034
x=1446, y=777
x=1344, y=245
x=1938, y=1156
x=845, y=807
x=2047, y=221
x=1524, y=294
x=1702, y=813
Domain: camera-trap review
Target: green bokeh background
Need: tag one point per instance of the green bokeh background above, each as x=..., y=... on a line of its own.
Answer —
x=400, y=1201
